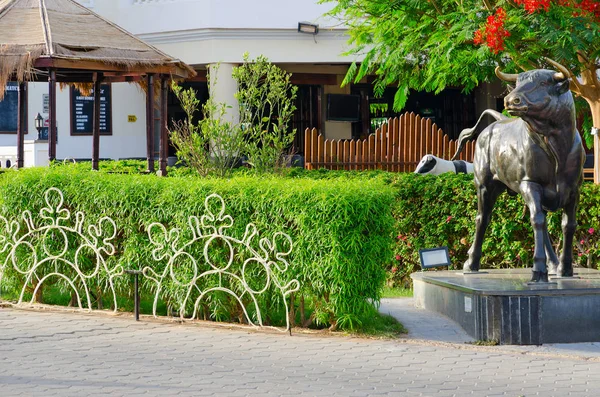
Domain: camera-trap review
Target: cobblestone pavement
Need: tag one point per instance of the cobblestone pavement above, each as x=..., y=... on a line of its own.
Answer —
x=74, y=354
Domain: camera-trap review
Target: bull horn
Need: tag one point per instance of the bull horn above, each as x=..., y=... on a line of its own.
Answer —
x=563, y=74
x=511, y=78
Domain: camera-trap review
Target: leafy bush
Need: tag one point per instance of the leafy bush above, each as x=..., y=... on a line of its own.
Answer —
x=266, y=99
x=340, y=228
x=433, y=211
x=212, y=144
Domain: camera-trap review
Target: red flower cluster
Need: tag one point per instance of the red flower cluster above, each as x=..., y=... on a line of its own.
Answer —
x=532, y=6
x=494, y=32
x=590, y=6
x=586, y=6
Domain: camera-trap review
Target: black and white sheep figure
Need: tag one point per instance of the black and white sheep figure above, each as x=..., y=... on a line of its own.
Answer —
x=432, y=165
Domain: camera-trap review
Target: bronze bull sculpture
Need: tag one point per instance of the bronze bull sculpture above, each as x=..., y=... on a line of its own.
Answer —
x=538, y=155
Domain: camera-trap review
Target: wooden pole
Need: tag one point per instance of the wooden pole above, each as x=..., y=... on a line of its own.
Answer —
x=96, y=122
x=150, y=122
x=164, y=145
x=21, y=107
x=52, y=115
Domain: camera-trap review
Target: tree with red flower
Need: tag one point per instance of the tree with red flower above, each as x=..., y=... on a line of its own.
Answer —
x=431, y=45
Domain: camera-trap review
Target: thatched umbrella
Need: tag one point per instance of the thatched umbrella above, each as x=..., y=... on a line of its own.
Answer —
x=62, y=41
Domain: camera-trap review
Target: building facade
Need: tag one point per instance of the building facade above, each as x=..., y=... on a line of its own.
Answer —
x=204, y=33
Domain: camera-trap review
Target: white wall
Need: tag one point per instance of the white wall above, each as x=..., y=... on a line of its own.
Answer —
x=201, y=32
x=151, y=16
x=128, y=139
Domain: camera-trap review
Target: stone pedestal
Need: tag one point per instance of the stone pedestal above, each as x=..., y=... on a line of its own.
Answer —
x=500, y=305
x=36, y=153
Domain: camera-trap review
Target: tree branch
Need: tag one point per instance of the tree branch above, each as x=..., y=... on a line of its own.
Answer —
x=436, y=6
x=590, y=78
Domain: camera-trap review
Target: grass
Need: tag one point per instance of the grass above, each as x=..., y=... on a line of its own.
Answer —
x=397, y=292
x=380, y=326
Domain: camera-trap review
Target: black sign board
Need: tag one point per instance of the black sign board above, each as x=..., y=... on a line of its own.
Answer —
x=82, y=111
x=9, y=108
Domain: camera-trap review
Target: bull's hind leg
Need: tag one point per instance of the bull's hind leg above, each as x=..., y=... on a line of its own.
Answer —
x=487, y=194
x=532, y=194
x=551, y=258
x=569, y=224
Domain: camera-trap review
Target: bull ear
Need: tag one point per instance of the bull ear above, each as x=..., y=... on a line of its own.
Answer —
x=562, y=86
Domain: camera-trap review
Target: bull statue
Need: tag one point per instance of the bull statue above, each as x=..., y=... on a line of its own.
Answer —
x=539, y=155
x=433, y=165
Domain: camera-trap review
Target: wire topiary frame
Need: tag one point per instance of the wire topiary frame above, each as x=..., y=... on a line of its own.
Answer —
x=209, y=230
x=47, y=246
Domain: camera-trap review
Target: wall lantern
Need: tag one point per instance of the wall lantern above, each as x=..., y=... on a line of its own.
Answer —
x=39, y=124
x=434, y=257
x=305, y=27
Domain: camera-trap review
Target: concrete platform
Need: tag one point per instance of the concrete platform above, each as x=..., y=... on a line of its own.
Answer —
x=501, y=305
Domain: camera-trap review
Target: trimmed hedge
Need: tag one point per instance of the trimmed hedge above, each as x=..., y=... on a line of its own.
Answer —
x=340, y=228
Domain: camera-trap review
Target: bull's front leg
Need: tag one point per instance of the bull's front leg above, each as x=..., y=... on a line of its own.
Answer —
x=551, y=258
x=532, y=194
x=569, y=224
x=487, y=194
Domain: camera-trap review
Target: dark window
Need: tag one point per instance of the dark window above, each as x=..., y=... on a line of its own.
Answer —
x=9, y=109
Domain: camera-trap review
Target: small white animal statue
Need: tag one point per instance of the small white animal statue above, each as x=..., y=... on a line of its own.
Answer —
x=432, y=165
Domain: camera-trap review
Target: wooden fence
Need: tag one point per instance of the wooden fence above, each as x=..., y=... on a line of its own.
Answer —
x=397, y=146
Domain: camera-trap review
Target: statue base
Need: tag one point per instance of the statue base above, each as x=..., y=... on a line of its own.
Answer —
x=502, y=305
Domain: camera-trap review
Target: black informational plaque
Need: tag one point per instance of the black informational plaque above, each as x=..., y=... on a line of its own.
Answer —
x=82, y=111
x=9, y=108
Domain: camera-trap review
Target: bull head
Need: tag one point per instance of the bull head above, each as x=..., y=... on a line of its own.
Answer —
x=561, y=75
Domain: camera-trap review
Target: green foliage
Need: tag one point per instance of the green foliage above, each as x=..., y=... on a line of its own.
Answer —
x=266, y=99
x=433, y=211
x=212, y=144
x=340, y=228
x=429, y=45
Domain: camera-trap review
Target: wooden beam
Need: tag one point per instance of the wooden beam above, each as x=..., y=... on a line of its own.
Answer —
x=170, y=70
x=96, y=122
x=314, y=79
x=201, y=76
x=164, y=144
x=52, y=115
x=21, y=121
x=150, y=122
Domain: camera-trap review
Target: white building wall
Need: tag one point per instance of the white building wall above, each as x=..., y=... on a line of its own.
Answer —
x=128, y=139
x=151, y=16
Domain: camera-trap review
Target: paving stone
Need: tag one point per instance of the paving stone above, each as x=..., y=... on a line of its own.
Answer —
x=85, y=355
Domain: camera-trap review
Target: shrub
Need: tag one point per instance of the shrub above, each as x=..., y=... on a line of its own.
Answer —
x=340, y=228
x=211, y=145
x=266, y=99
x=433, y=211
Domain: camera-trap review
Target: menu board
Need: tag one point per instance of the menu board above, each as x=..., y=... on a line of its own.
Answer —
x=9, y=108
x=82, y=111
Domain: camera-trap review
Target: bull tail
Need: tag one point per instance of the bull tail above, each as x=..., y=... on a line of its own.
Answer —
x=469, y=134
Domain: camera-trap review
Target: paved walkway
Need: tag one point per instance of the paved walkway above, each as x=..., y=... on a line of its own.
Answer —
x=73, y=354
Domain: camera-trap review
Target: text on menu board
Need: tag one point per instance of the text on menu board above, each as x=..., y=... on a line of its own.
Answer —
x=82, y=111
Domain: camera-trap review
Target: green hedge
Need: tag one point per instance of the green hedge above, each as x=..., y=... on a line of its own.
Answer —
x=340, y=228
x=433, y=211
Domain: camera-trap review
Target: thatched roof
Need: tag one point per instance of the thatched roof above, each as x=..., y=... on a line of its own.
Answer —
x=64, y=34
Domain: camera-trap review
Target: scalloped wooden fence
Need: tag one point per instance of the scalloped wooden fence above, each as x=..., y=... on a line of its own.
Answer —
x=397, y=146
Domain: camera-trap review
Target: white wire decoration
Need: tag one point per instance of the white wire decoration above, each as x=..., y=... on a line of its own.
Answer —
x=52, y=257
x=208, y=230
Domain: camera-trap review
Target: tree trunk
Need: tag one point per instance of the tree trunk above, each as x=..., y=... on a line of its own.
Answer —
x=39, y=295
x=595, y=107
